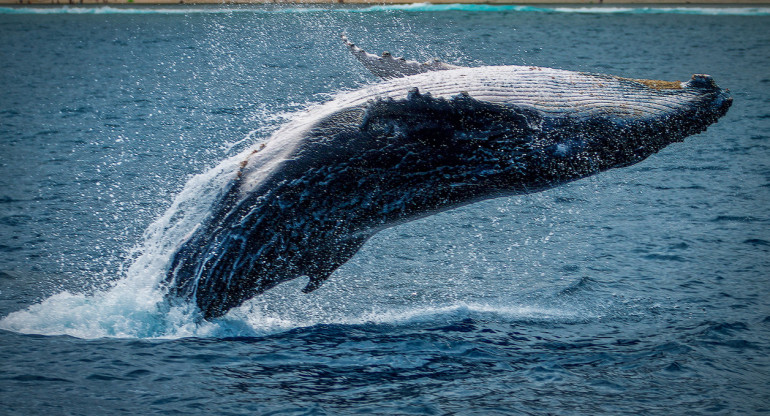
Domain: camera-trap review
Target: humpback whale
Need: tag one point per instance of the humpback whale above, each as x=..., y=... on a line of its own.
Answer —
x=429, y=138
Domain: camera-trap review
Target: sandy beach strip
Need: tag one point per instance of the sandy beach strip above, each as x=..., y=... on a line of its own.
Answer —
x=667, y=3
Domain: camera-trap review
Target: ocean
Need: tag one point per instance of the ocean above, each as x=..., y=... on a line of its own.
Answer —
x=641, y=290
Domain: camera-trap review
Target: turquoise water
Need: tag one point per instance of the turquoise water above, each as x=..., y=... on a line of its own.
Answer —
x=719, y=10
x=641, y=290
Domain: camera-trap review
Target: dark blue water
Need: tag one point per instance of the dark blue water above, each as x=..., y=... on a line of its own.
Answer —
x=641, y=290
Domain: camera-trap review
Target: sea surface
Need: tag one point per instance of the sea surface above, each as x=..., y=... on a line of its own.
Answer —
x=643, y=290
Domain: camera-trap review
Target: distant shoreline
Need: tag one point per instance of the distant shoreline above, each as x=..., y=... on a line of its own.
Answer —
x=669, y=3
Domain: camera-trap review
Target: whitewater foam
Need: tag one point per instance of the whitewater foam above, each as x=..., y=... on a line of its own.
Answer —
x=124, y=313
x=132, y=306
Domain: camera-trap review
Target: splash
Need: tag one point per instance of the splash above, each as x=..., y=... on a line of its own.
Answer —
x=135, y=307
x=130, y=308
x=125, y=312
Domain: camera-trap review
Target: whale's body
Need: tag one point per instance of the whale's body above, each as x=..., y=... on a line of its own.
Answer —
x=304, y=203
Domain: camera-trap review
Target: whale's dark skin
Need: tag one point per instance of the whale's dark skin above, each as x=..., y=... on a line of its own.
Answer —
x=307, y=207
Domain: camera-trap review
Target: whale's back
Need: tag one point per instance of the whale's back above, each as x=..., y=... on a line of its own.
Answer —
x=548, y=90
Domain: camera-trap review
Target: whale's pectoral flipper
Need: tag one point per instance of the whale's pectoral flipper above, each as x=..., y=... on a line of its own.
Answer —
x=387, y=67
x=331, y=259
x=315, y=282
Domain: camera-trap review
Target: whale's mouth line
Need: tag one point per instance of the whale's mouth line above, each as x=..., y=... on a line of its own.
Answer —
x=656, y=84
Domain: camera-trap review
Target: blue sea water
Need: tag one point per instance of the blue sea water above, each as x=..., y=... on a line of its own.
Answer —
x=641, y=290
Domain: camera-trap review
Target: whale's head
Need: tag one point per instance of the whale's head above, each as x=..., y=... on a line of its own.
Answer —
x=644, y=116
x=519, y=129
x=513, y=130
x=523, y=128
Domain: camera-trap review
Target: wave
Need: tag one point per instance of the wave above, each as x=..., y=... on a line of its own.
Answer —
x=115, y=314
x=415, y=7
x=429, y=7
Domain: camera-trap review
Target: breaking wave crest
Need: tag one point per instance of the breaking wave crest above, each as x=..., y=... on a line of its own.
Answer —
x=416, y=7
